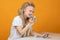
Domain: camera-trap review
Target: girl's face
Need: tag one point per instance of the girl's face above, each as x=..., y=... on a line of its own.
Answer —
x=29, y=10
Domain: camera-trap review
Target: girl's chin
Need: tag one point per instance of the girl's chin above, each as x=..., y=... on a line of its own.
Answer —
x=28, y=16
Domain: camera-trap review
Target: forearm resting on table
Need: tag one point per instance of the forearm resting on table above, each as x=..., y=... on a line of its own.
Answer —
x=36, y=34
x=22, y=31
x=44, y=35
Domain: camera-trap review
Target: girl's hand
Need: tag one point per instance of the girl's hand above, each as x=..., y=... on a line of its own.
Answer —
x=45, y=35
x=31, y=21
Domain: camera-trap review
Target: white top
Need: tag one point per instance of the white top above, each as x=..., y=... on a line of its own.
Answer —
x=14, y=33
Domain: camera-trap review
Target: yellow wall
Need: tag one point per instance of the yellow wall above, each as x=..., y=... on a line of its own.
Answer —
x=46, y=11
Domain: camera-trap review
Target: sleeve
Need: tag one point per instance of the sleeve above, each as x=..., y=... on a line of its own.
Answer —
x=17, y=22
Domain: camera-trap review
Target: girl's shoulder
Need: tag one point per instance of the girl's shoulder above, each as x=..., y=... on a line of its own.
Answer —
x=17, y=18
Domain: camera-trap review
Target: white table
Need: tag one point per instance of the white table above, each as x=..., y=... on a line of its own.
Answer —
x=31, y=38
x=52, y=36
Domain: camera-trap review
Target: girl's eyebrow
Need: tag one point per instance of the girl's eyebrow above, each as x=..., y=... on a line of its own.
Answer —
x=31, y=11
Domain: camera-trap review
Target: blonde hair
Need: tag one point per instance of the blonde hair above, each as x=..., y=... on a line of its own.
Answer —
x=21, y=12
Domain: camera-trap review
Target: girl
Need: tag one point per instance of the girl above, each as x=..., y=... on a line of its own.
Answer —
x=22, y=24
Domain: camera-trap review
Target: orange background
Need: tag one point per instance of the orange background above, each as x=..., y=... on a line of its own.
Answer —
x=46, y=11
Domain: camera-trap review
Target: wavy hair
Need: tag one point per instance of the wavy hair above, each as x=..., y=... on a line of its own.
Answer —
x=21, y=11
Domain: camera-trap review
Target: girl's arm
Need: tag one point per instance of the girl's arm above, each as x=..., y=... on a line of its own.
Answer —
x=22, y=31
x=34, y=33
x=38, y=35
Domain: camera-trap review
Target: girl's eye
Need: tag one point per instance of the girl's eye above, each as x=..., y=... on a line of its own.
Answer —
x=31, y=11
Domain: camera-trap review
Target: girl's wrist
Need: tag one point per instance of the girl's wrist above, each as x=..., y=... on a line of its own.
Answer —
x=29, y=24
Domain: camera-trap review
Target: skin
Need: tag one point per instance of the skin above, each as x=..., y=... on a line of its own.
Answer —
x=29, y=10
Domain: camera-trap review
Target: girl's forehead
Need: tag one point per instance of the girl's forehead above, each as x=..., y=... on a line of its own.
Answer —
x=30, y=7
